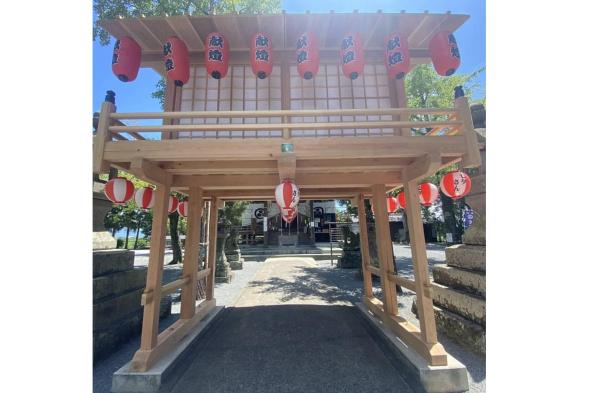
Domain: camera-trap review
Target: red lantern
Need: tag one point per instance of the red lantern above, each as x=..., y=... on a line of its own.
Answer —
x=126, y=59
x=172, y=204
x=287, y=194
x=401, y=198
x=392, y=204
x=455, y=184
x=427, y=192
x=352, y=55
x=145, y=197
x=119, y=190
x=176, y=61
x=444, y=53
x=397, y=56
x=261, y=55
x=308, y=55
x=183, y=208
x=216, y=55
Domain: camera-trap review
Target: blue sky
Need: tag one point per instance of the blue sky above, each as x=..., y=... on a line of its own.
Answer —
x=136, y=96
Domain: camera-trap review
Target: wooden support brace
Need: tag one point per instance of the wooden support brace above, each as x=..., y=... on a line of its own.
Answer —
x=384, y=247
x=192, y=247
x=364, y=240
x=103, y=135
x=434, y=354
x=423, y=166
x=150, y=172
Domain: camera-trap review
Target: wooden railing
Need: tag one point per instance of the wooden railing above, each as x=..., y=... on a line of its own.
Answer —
x=282, y=123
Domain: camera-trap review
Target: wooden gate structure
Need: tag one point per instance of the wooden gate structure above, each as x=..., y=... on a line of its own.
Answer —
x=238, y=137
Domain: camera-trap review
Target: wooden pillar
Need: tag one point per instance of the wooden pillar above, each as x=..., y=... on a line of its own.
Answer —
x=192, y=248
x=420, y=263
x=472, y=159
x=384, y=248
x=285, y=95
x=151, y=310
x=364, y=243
x=398, y=99
x=212, y=246
x=103, y=135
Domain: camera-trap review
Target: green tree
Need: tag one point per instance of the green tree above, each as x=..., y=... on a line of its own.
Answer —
x=426, y=89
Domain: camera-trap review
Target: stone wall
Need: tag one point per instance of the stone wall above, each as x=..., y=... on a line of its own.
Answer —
x=117, y=311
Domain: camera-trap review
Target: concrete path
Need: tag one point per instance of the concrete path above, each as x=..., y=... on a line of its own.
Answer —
x=291, y=331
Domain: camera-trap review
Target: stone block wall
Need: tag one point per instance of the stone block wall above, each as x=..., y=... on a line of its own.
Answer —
x=117, y=310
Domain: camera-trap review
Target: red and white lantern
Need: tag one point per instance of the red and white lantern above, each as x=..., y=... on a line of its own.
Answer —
x=176, y=61
x=287, y=194
x=401, y=198
x=145, y=197
x=397, y=56
x=427, y=192
x=392, y=204
x=444, y=53
x=172, y=204
x=183, y=208
x=216, y=55
x=119, y=190
x=352, y=55
x=126, y=59
x=455, y=184
x=261, y=55
x=308, y=55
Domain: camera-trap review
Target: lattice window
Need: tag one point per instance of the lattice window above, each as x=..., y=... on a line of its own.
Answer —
x=239, y=90
x=331, y=90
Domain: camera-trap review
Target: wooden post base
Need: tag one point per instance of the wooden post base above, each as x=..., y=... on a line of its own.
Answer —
x=143, y=360
x=434, y=354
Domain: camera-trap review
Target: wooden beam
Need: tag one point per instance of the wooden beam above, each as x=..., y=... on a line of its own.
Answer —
x=176, y=128
x=270, y=148
x=434, y=354
x=384, y=247
x=151, y=311
x=423, y=166
x=270, y=181
x=287, y=166
x=192, y=248
x=150, y=172
x=103, y=135
x=143, y=360
x=364, y=240
x=282, y=113
x=420, y=263
x=268, y=194
x=212, y=246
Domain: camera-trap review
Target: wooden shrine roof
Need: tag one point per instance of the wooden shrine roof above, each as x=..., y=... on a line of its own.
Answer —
x=284, y=29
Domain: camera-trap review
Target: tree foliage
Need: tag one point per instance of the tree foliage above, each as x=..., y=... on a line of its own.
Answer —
x=111, y=9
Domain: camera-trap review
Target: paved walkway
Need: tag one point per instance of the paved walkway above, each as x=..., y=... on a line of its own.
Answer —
x=291, y=331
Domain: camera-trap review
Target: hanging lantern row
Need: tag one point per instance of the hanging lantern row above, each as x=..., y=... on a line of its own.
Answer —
x=443, y=50
x=119, y=190
x=183, y=208
x=455, y=185
x=145, y=197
